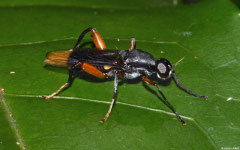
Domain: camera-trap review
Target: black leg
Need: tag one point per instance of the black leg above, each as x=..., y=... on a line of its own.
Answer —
x=165, y=99
x=185, y=89
x=81, y=37
x=62, y=87
x=97, y=39
x=113, y=99
x=170, y=105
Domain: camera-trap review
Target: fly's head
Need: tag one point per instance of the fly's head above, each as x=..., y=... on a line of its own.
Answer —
x=163, y=68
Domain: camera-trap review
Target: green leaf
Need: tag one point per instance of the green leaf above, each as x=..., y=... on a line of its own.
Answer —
x=205, y=33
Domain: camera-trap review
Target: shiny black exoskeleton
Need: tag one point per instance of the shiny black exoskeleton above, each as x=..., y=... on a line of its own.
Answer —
x=127, y=64
x=131, y=63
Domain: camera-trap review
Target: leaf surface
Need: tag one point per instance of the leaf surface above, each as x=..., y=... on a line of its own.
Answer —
x=206, y=34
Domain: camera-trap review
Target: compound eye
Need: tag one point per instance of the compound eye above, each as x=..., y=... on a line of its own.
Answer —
x=161, y=68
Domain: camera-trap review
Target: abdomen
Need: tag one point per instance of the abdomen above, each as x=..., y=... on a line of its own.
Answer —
x=58, y=58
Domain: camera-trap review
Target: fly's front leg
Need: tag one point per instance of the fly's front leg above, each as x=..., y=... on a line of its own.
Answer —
x=165, y=99
x=97, y=39
x=113, y=99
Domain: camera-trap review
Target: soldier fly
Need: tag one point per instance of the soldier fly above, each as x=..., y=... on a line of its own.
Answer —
x=103, y=63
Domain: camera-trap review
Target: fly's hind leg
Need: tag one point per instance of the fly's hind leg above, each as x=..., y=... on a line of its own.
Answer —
x=97, y=39
x=85, y=67
x=62, y=87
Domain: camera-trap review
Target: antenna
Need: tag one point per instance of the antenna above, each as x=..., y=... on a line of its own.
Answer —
x=177, y=63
